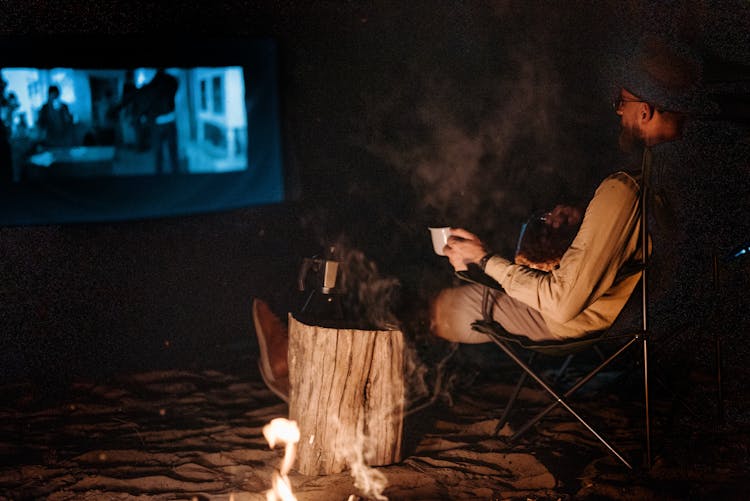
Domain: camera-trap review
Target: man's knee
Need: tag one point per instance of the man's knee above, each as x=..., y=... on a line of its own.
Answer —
x=452, y=312
x=439, y=324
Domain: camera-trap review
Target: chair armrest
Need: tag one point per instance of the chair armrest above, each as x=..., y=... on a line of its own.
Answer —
x=475, y=275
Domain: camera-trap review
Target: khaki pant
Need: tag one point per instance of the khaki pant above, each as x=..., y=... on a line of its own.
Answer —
x=456, y=308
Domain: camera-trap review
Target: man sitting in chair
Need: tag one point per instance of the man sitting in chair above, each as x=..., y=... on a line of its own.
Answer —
x=588, y=288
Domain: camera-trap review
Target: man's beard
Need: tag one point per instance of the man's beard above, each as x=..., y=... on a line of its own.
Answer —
x=630, y=138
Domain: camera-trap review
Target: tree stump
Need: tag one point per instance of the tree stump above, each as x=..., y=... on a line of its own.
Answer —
x=347, y=396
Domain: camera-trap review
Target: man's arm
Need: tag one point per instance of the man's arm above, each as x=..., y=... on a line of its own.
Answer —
x=589, y=267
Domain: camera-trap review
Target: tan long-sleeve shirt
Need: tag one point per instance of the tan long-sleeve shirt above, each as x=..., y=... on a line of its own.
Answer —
x=589, y=289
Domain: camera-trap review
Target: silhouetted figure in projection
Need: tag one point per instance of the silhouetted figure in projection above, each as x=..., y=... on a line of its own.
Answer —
x=6, y=162
x=55, y=121
x=104, y=121
x=130, y=132
x=154, y=104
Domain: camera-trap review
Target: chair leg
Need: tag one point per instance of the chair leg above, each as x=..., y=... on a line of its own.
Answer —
x=559, y=373
x=646, y=401
x=572, y=390
x=559, y=399
x=719, y=385
x=513, y=397
x=717, y=343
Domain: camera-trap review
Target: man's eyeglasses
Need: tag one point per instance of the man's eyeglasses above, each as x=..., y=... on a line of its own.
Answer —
x=617, y=102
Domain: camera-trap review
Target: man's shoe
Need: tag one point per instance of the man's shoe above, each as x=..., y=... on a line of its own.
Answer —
x=273, y=343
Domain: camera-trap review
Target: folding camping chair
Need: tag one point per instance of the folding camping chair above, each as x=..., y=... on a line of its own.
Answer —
x=507, y=342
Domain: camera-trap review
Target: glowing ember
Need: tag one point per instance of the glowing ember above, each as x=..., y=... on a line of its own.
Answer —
x=284, y=431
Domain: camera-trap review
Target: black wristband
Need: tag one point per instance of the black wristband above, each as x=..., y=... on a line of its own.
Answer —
x=483, y=261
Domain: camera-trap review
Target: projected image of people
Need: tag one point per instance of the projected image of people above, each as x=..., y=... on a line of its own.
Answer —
x=157, y=101
x=6, y=123
x=55, y=121
x=66, y=122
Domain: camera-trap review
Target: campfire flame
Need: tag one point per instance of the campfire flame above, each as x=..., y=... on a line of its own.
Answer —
x=281, y=430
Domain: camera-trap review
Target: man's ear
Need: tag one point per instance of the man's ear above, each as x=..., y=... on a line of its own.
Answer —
x=645, y=112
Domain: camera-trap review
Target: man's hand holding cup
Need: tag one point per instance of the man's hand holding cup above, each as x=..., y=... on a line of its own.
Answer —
x=463, y=248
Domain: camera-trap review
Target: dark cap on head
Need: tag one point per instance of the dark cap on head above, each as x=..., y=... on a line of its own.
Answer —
x=667, y=75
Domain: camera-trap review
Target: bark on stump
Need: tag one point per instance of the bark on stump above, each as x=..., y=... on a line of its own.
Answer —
x=347, y=396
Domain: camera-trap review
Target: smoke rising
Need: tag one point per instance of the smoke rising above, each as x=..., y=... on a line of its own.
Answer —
x=483, y=168
x=358, y=453
x=371, y=301
x=370, y=481
x=369, y=296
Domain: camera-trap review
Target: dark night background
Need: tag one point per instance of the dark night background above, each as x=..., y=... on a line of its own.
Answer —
x=396, y=115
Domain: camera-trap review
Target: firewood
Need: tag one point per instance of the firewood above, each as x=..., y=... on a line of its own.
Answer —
x=347, y=396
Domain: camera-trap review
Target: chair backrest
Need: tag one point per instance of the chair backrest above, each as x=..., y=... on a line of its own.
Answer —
x=645, y=188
